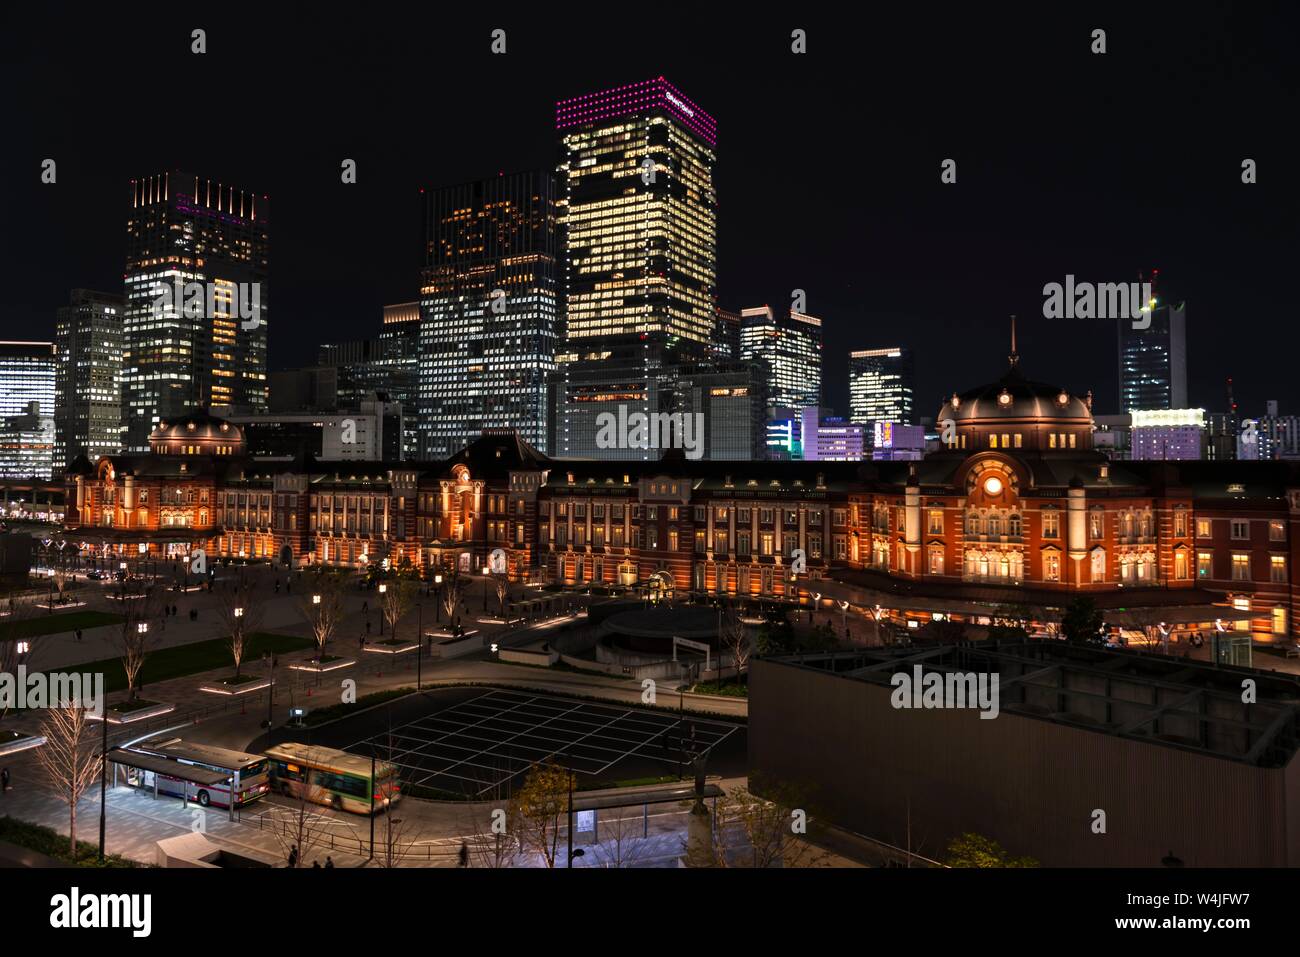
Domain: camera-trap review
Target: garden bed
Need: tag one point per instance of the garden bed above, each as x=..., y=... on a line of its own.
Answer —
x=237, y=685
x=321, y=665
x=125, y=712
x=11, y=742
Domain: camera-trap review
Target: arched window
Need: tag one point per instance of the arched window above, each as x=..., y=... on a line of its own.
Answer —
x=1013, y=525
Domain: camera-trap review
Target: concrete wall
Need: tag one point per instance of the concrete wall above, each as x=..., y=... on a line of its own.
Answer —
x=1030, y=784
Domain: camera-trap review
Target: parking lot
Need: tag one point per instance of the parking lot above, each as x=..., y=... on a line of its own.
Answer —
x=478, y=743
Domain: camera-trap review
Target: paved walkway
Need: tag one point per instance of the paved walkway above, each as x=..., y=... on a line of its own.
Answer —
x=137, y=821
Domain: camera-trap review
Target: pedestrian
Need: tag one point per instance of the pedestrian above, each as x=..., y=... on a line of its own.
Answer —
x=315, y=864
x=78, y=634
x=293, y=855
x=365, y=608
x=367, y=626
x=175, y=611
x=329, y=862
x=288, y=586
x=4, y=780
x=464, y=854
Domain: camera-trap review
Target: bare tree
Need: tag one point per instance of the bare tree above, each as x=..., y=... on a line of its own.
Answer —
x=323, y=609
x=733, y=636
x=397, y=838
x=759, y=832
x=134, y=643
x=296, y=825
x=241, y=614
x=452, y=586
x=538, y=808
x=68, y=760
x=396, y=601
x=501, y=586
x=621, y=843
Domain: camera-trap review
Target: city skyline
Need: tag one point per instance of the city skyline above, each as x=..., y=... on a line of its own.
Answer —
x=882, y=253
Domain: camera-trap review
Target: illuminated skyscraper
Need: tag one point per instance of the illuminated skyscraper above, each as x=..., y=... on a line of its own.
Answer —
x=1153, y=360
x=26, y=409
x=88, y=381
x=640, y=215
x=196, y=300
x=489, y=310
x=881, y=387
x=791, y=347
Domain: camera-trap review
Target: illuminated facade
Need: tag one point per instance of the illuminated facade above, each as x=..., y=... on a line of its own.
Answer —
x=639, y=213
x=88, y=381
x=791, y=349
x=882, y=386
x=27, y=375
x=183, y=350
x=489, y=310
x=988, y=529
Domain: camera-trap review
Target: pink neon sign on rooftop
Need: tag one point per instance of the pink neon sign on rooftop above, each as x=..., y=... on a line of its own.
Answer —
x=634, y=98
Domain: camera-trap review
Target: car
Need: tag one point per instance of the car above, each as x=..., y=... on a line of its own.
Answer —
x=95, y=576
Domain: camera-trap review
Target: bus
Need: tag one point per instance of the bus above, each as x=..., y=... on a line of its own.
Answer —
x=251, y=771
x=332, y=777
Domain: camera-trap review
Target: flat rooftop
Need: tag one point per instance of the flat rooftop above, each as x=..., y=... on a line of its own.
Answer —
x=1170, y=702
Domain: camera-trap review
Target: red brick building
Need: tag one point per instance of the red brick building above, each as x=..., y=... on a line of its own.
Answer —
x=1013, y=519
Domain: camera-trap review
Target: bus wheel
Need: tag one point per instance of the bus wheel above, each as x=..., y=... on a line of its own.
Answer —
x=204, y=799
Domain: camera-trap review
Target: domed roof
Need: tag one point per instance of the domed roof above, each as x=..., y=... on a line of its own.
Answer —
x=1015, y=397
x=197, y=427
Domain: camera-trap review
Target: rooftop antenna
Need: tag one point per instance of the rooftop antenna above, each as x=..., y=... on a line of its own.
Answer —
x=1015, y=356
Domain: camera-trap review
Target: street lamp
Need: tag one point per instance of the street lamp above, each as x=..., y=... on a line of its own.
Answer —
x=383, y=589
x=419, y=643
x=437, y=601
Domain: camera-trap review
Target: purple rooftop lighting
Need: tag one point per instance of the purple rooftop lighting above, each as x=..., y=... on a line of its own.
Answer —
x=634, y=98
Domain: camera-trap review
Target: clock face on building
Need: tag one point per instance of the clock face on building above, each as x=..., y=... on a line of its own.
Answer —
x=993, y=485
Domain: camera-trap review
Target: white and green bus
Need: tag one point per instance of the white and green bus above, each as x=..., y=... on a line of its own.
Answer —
x=335, y=778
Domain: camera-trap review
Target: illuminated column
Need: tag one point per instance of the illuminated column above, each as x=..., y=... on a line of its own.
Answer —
x=1077, y=544
x=128, y=494
x=81, y=492
x=912, y=518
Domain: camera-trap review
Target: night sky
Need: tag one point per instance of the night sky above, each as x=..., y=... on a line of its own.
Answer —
x=828, y=163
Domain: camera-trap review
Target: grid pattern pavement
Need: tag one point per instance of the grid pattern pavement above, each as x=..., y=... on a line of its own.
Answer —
x=485, y=744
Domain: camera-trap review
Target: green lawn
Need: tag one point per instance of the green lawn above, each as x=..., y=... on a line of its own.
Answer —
x=168, y=663
x=53, y=624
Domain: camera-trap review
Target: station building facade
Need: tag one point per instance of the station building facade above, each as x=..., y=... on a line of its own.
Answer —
x=1018, y=512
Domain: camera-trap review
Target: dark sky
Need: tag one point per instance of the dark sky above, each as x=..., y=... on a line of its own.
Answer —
x=828, y=171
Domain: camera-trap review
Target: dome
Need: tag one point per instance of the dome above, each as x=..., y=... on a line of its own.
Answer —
x=1016, y=413
x=1015, y=398
x=197, y=432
